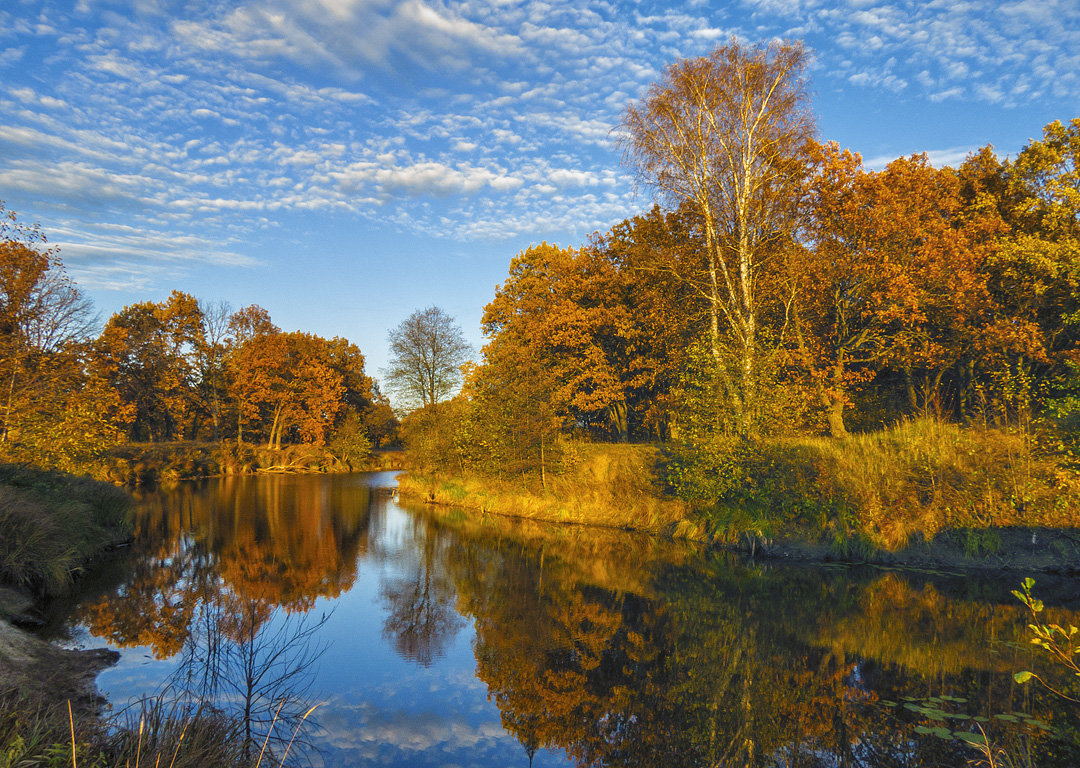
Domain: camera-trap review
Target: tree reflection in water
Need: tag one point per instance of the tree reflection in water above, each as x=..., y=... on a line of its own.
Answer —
x=223, y=575
x=617, y=650
x=716, y=662
x=421, y=619
x=254, y=662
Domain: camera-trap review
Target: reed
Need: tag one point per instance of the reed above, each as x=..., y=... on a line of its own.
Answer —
x=158, y=734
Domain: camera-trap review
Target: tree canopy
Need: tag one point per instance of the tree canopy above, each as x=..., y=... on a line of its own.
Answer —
x=427, y=350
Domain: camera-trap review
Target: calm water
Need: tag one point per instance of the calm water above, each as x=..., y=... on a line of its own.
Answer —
x=492, y=644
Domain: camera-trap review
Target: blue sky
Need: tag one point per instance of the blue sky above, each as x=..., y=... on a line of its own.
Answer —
x=344, y=162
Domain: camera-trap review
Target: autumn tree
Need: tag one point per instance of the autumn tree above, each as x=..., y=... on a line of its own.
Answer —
x=42, y=315
x=426, y=352
x=564, y=308
x=726, y=133
x=248, y=323
x=287, y=384
x=147, y=352
x=507, y=421
x=348, y=361
x=667, y=315
x=380, y=423
x=1034, y=275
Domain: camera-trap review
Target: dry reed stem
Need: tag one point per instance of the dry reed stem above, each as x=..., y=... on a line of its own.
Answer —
x=268, y=732
x=71, y=722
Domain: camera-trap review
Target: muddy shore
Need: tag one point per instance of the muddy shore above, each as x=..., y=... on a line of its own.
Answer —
x=40, y=670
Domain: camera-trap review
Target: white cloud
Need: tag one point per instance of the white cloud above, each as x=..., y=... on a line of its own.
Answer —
x=350, y=35
x=939, y=158
x=456, y=118
x=420, y=178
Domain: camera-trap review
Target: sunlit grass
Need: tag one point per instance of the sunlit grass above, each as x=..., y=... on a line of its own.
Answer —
x=608, y=485
x=857, y=495
x=924, y=476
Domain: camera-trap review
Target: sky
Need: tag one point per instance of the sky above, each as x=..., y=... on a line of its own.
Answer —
x=343, y=163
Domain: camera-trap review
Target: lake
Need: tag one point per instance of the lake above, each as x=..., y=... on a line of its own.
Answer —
x=454, y=641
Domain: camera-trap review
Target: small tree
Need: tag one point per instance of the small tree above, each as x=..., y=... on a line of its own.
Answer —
x=426, y=353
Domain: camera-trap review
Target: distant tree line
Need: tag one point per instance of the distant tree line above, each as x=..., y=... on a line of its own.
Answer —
x=782, y=287
x=179, y=369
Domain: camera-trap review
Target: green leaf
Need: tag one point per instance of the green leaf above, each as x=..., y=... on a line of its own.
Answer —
x=1022, y=677
x=941, y=733
x=972, y=738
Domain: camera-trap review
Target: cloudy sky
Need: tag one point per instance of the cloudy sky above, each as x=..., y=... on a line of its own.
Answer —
x=344, y=162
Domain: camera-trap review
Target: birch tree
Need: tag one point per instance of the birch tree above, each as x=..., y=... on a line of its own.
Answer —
x=727, y=133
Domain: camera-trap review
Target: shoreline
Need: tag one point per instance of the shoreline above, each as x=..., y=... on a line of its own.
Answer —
x=1026, y=549
x=136, y=464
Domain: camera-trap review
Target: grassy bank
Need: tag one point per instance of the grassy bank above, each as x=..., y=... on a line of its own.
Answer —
x=53, y=524
x=913, y=483
x=138, y=463
x=618, y=486
x=922, y=490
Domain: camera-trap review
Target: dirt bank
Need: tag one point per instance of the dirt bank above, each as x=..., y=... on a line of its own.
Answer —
x=37, y=670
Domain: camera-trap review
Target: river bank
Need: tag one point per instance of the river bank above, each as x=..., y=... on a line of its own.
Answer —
x=922, y=494
x=54, y=526
x=606, y=485
x=143, y=463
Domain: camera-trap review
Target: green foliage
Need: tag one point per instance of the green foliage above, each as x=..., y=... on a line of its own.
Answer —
x=350, y=442
x=706, y=470
x=1060, y=645
x=981, y=542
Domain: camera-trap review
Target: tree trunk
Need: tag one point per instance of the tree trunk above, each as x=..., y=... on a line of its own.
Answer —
x=10, y=399
x=543, y=471
x=275, y=427
x=835, y=415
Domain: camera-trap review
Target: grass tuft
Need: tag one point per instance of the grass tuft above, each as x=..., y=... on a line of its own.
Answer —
x=882, y=490
x=53, y=524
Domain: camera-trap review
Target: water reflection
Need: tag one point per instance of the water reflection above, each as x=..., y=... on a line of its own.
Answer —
x=598, y=647
x=421, y=620
x=716, y=662
x=274, y=542
x=256, y=663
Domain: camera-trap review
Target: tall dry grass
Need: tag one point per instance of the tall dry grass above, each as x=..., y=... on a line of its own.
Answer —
x=613, y=485
x=915, y=479
x=158, y=733
x=53, y=524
